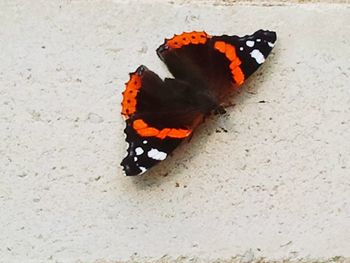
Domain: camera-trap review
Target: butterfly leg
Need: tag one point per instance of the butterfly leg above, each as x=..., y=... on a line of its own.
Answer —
x=220, y=110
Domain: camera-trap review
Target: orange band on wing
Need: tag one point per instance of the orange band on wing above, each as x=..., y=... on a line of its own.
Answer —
x=129, y=94
x=230, y=53
x=144, y=130
x=188, y=38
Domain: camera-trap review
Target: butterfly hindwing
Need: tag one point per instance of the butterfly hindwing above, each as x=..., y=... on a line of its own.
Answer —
x=196, y=62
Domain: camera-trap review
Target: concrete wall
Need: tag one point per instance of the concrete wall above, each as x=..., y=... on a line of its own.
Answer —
x=275, y=186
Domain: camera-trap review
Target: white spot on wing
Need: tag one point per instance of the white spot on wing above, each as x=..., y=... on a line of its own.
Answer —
x=143, y=169
x=250, y=43
x=144, y=142
x=258, y=56
x=156, y=155
x=271, y=44
x=258, y=40
x=135, y=159
x=241, y=48
x=139, y=151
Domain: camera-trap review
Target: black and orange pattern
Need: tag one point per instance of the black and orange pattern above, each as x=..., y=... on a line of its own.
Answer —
x=187, y=38
x=230, y=52
x=160, y=114
x=129, y=95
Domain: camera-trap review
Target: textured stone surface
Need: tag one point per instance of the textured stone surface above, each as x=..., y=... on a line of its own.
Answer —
x=276, y=185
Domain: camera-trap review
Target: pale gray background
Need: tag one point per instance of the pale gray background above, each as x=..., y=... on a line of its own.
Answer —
x=275, y=186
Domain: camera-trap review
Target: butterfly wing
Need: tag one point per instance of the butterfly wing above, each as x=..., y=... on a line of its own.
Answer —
x=191, y=57
x=145, y=151
x=216, y=63
x=159, y=116
x=251, y=51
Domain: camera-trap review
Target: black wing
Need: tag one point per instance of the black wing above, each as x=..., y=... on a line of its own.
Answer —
x=159, y=116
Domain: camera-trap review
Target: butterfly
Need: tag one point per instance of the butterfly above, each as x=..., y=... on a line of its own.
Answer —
x=160, y=114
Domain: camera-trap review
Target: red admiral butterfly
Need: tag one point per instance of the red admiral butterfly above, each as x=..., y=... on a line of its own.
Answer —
x=160, y=114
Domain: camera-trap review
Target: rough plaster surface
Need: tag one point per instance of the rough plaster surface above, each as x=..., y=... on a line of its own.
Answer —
x=275, y=186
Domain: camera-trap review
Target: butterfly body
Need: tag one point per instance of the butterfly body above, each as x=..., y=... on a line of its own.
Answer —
x=160, y=114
